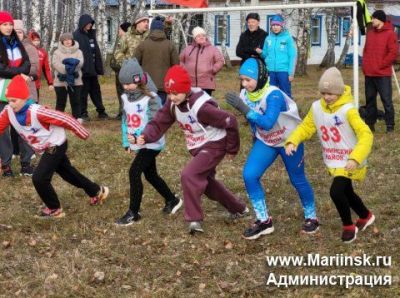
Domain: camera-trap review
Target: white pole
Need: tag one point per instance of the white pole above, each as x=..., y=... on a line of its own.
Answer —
x=396, y=80
x=355, y=57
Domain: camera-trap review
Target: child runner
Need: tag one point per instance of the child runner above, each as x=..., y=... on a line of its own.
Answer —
x=346, y=142
x=44, y=130
x=210, y=134
x=272, y=116
x=139, y=107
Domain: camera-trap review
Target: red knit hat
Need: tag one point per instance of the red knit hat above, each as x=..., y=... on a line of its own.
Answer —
x=5, y=16
x=177, y=80
x=18, y=88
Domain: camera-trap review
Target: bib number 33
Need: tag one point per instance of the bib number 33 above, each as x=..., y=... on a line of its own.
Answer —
x=330, y=133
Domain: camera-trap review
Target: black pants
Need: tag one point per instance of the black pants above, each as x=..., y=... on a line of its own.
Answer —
x=120, y=91
x=57, y=161
x=91, y=87
x=383, y=86
x=344, y=197
x=145, y=162
x=74, y=94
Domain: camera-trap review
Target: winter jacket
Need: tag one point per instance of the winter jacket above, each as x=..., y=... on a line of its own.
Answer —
x=360, y=152
x=202, y=63
x=12, y=67
x=61, y=53
x=279, y=52
x=93, y=64
x=44, y=68
x=33, y=72
x=380, y=51
x=248, y=43
x=156, y=55
x=128, y=45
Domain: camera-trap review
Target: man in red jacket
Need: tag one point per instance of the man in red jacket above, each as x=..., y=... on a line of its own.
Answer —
x=380, y=52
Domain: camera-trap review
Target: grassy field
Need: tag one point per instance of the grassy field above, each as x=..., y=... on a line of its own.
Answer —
x=85, y=254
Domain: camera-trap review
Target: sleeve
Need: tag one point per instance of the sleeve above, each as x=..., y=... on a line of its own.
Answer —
x=157, y=127
x=364, y=136
x=182, y=57
x=34, y=59
x=4, y=121
x=81, y=60
x=304, y=131
x=124, y=130
x=218, y=60
x=154, y=106
x=360, y=17
x=275, y=105
x=46, y=69
x=56, y=62
x=139, y=53
x=264, y=52
x=57, y=118
x=292, y=56
x=7, y=72
x=120, y=51
x=392, y=50
x=244, y=51
x=174, y=55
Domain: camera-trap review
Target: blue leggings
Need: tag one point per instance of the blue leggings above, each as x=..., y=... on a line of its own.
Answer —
x=280, y=79
x=260, y=158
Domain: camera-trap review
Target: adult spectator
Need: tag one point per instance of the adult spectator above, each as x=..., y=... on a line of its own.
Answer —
x=202, y=61
x=380, y=52
x=85, y=35
x=251, y=39
x=156, y=55
x=122, y=29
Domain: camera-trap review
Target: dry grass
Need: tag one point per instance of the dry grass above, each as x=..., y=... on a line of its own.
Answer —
x=156, y=257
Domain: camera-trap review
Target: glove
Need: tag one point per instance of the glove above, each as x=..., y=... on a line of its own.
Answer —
x=235, y=101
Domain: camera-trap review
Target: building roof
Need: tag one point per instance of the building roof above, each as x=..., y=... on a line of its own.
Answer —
x=132, y=2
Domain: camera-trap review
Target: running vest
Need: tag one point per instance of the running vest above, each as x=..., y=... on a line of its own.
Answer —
x=197, y=135
x=286, y=123
x=335, y=134
x=136, y=120
x=38, y=137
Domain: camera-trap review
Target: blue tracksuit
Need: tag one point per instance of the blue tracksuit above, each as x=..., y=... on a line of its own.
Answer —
x=262, y=156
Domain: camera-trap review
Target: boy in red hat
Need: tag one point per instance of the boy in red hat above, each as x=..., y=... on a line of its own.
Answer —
x=44, y=130
x=210, y=134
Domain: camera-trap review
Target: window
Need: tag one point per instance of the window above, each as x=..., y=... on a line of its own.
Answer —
x=219, y=30
x=268, y=27
x=109, y=31
x=339, y=30
x=346, y=25
x=316, y=28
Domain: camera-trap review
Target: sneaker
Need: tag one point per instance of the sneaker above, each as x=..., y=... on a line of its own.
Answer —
x=51, y=213
x=80, y=120
x=349, y=233
x=101, y=196
x=363, y=223
x=238, y=215
x=311, y=225
x=26, y=170
x=103, y=115
x=85, y=117
x=33, y=156
x=128, y=219
x=7, y=172
x=171, y=207
x=259, y=228
x=195, y=227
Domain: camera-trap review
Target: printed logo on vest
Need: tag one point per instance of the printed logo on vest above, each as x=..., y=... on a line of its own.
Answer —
x=338, y=122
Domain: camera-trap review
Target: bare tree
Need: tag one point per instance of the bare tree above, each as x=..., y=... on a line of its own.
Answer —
x=242, y=17
x=331, y=25
x=47, y=23
x=303, y=38
x=56, y=23
x=35, y=10
x=224, y=36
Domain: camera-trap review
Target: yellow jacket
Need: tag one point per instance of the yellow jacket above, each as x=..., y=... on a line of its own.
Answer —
x=307, y=129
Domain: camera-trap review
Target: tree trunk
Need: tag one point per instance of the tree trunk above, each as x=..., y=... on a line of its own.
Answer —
x=302, y=40
x=56, y=23
x=224, y=35
x=345, y=50
x=77, y=11
x=24, y=11
x=101, y=28
x=46, y=24
x=331, y=25
x=242, y=17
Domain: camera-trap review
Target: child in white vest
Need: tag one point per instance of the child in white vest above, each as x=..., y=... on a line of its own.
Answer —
x=346, y=143
x=139, y=106
x=44, y=130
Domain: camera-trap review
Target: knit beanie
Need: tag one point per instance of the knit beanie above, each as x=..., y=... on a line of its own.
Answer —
x=141, y=17
x=125, y=26
x=19, y=25
x=331, y=82
x=18, y=88
x=277, y=20
x=177, y=80
x=5, y=16
x=65, y=36
x=255, y=69
x=197, y=31
x=33, y=35
x=379, y=15
x=157, y=24
x=131, y=72
x=254, y=16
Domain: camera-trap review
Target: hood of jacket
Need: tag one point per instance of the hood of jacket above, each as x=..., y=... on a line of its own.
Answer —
x=283, y=33
x=69, y=50
x=345, y=98
x=157, y=35
x=386, y=26
x=84, y=20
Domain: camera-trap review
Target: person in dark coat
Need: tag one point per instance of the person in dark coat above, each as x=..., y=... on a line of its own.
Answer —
x=85, y=35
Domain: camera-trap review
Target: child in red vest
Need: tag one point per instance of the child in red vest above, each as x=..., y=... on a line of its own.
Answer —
x=44, y=130
x=210, y=134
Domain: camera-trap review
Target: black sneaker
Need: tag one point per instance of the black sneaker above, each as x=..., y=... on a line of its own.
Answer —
x=195, y=227
x=349, y=233
x=85, y=117
x=128, y=219
x=171, y=207
x=310, y=226
x=103, y=115
x=26, y=170
x=7, y=172
x=259, y=228
x=389, y=129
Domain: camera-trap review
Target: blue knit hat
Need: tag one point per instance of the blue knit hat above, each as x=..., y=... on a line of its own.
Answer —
x=277, y=20
x=249, y=69
x=157, y=24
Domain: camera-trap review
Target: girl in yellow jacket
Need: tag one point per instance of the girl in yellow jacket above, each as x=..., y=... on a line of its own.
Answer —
x=346, y=142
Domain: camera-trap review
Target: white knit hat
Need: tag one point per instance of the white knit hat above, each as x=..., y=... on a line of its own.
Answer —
x=331, y=82
x=198, y=30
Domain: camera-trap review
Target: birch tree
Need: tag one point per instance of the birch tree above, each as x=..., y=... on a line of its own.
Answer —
x=224, y=36
x=242, y=17
x=77, y=11
x=303, y=38
x=101, y=28
x=47, y=23
x=56, y=22
x=35, y=10
x=331, y=25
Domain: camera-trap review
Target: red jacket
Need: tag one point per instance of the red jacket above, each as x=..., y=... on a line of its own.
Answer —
x=380, y=51
x=43, y=67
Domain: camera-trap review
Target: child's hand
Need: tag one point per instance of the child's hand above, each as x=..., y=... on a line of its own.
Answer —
x=132, y=139
x=235, y=101
x=258, y=50
x=140, y=140
x=351, y=165
x=290, y=149
x=128, y=150
x=51, y=88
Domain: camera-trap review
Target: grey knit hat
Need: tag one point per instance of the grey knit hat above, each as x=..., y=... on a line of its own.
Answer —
x=141, y=16
x=331, y=82
x=131, y=72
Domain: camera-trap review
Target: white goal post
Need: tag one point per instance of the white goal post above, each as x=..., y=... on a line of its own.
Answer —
x=286, y=6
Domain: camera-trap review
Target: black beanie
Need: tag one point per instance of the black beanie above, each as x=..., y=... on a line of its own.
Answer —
x=125, y=26
x=379, y=15
x=253, y=15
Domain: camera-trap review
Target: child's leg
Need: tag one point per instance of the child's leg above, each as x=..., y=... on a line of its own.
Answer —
x=355, y=202
x=260, y=158
x=295, y=167
x=283, y=82
x=151, y=175
x=338, y=195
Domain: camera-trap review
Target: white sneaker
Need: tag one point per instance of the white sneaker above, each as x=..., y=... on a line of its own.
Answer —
x=33, y=156
x=194, y=227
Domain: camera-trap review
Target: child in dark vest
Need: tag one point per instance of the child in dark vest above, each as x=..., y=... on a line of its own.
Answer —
x=44, y=130
x=210, y=134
